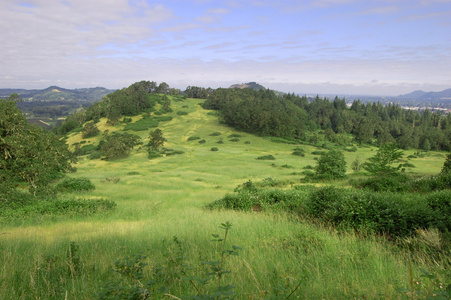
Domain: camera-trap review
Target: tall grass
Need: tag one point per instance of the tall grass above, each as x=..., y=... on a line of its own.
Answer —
x=165, y=198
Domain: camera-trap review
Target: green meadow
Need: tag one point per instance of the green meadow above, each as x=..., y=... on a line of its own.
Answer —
x=282, y=255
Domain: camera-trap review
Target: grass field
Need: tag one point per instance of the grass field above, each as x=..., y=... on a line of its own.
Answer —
x=165, y=197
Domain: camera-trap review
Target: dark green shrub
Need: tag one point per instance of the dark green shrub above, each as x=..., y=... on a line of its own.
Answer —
x=308, y=167
x=247, y=142
x=266, y=157
x=235, y=135
x=133, y=173
x=235, y=140
x=331, y=165
x=75, y=184
x=193, y=138
x=317, y=152
x=396, y=183
x=214, y=149
x=202, y=141
x=173, y=152
x=220, y=142
x=153, y=154
x=85, y=150
x=440, y=203
x=182, y=113
x=215, y=133
x=298, y=153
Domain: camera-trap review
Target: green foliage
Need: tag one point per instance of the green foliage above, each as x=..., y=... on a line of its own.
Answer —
x=182, y=113
x=89, y=130
x=28, y=154
x=118, y=145
x=235, y=135
x=75, y=184
x=193, y=138
x=156, y=140
x=146, y=123
x=381, y=163
x=49, y=208
x=331, y=165
x=215, y=133
x=214, y=149
x=266, y=157
x=202, y=141
x=234, y=140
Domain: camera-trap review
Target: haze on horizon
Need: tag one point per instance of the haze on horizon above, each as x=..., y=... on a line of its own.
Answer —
x=366, y=47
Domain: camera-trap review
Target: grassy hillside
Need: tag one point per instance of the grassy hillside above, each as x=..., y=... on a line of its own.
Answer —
x=165, y=197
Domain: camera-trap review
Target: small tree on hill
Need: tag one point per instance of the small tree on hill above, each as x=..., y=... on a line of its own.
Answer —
x=89, y=130
x=156, y=140
x=381, y=164
x=331, y=165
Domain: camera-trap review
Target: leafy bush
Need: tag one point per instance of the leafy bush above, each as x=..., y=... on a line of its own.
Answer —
x=85, y=150
x=182, y=113
x=234, y=140
x=220, y=142
x=146, y=123
x=397, y=183
x=247, y=142
x=331, y=165
x=392, y=213
x=235, y=135
x=266, y=157
x=215, y=133
x=193, y=138
x=298, y=153
x=214, y=149
x=202, y=141
x=133, y=173
x=317, y=152
x=75, y=184
x=47, y=209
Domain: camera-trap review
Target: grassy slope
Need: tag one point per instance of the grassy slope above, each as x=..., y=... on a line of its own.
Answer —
x=166, y=198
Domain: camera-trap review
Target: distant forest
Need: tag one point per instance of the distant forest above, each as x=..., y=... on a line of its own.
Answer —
x=289, y=117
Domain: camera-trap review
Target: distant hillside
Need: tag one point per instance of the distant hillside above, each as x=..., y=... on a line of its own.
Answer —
x=55, y=93
x=249, y=85
x=421, y=95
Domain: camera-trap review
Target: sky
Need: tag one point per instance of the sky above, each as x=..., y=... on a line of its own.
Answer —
x=362, y=47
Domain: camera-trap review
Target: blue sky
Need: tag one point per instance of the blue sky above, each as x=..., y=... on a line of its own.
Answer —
x=384, y=47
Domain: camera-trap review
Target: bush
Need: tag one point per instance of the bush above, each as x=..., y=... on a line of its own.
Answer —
x=182, y=113
x=193, y=138
x=215, y=133
x=299, y=153
x=331, y=165
x=235, y=135
x=214, y=149
x=317, y=152
x=49, y=208
x=202, y=141
x=266, y=157
x=220, y=142
x=75, y=184
x=235, y=140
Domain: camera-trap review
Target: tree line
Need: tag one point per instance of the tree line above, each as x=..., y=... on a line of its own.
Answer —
x=291, y=116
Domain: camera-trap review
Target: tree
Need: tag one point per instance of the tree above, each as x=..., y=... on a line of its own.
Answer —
x=89, y=130
x=381, y=163
x=156, y=140
x=28, y=155
x=118, y=145
x=331, y=165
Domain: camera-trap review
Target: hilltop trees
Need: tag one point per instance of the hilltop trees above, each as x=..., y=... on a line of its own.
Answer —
x=29, y=155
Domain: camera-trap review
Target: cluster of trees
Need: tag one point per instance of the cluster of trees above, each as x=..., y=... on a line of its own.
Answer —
x=290, y=115
x=258, y=111
x=29, y=156
x=135, y=99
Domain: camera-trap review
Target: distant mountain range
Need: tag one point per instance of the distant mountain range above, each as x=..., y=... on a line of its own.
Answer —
x=55, y=93
x=428, y=96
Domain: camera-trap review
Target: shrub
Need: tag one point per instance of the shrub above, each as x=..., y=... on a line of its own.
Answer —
x=214, y=149
x=202, y=141
x=317, y=152
x=308, y=167
x=75, y=184
x=247, y=142
x=193, y=138
x=235, y=135
x=182, y=113
x=235, y=140
x=133, y=173
x=220, y=142
x=215, y=133
x=331, y=164
x=266, y=157
x=298, y=153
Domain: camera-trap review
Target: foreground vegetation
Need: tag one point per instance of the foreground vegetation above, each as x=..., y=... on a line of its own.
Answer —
x=144, y=230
